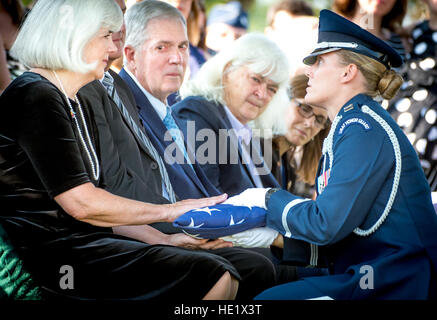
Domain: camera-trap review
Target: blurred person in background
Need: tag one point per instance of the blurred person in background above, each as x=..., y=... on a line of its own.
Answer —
x=381, y=18
x=292, y=26
x=415, y=106
x=226, y=23
x=116, y=58
x=200, y=43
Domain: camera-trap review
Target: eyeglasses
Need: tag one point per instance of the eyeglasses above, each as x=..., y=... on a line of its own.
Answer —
x=307, y=112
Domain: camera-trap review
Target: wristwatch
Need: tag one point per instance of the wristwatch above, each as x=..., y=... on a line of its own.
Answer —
x=268, y=195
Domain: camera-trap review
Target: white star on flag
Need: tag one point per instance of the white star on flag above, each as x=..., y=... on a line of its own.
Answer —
x=231, y=223
x=220, y=220
x=191, y=225
x=207, y=210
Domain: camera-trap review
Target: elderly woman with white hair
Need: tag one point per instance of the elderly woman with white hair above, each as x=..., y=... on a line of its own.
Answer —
x=230, y=90
x=54, y=210
x=297, y=138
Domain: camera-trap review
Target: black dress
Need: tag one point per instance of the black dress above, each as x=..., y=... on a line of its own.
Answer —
x=415, y=106
x=40, y=157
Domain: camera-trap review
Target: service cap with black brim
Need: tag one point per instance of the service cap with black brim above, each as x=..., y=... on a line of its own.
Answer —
x=336, y=33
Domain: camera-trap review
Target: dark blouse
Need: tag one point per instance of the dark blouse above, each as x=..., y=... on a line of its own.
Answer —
x=284, y=172
x=40, y=156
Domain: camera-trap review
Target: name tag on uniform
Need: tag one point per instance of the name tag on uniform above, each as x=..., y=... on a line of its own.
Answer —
x=322, y=181
x=351, y=121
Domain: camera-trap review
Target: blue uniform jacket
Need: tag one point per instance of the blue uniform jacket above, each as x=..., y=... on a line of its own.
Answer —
x=373, y=223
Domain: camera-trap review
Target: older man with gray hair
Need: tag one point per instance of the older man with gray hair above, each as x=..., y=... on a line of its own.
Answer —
x=156, y=55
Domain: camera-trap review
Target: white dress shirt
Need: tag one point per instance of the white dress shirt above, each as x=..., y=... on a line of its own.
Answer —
x=244, y=134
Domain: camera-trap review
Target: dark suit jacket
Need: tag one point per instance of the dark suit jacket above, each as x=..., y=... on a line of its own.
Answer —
x=229, y=174
x=186, y=182
x=127, y=168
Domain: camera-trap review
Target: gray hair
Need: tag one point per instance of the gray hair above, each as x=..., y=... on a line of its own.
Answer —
x=140, y=14
x=55, y=33
x=260, y=54
x=271, y=122
x=256, y=51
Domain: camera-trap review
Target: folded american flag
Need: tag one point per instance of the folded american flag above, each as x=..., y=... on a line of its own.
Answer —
x=220, y=220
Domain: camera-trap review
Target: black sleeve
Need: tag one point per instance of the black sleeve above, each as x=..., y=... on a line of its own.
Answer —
x=300, y=253
x=43, y=129
x=121, y=161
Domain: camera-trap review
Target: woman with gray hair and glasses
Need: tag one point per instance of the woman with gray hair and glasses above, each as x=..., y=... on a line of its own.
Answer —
x=230, y=90
x=54, y=210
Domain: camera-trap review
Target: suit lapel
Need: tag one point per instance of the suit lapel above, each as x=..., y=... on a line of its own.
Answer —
x=123, y=98
x=159, y=129
x=154, y=125
x=246, y=167
x=234, y=143
x=267, y=179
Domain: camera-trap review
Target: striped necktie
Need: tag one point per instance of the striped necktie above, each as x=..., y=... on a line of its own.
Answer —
x=175, y=133
x=108, y=83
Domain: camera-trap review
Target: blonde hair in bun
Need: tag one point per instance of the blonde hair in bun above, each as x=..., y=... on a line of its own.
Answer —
x=389, y=84
x=380, y=81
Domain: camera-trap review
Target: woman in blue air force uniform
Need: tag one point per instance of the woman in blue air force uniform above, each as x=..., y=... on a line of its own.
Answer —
x=373, y=224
